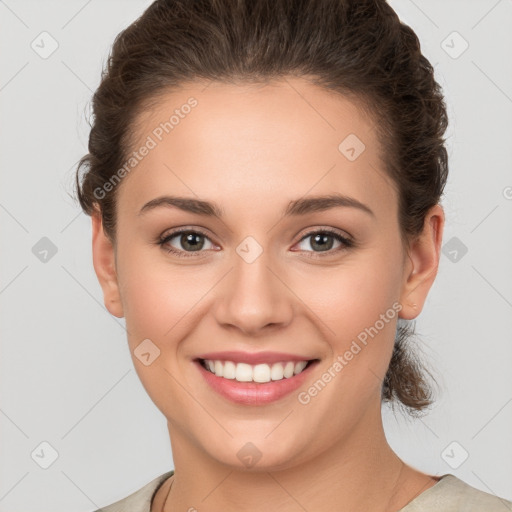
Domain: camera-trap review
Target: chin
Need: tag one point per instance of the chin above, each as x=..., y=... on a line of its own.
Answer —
x=260, y=455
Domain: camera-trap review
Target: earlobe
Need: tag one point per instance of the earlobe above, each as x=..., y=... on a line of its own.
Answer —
x=105, y=267
x=423, y=262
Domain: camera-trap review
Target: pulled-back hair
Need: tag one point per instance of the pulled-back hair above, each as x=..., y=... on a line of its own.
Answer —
x=357, y=48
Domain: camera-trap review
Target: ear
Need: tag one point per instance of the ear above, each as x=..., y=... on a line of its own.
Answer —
x=104, y=262
x=422, y=264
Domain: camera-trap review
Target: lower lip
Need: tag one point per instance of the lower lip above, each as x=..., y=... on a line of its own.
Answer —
x=254, y=393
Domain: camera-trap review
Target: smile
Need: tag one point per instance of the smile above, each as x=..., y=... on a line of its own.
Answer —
x=243, y=372
x=252, y=381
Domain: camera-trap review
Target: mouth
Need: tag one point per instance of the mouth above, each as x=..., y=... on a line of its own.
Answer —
x=254, y=384
x=261, y=373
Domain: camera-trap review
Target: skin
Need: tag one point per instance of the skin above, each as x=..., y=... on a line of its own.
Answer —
x=252, y=149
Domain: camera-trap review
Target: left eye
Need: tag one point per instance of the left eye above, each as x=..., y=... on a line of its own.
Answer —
x=324, y=241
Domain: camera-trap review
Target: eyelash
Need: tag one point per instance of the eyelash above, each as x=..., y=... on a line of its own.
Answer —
x=346, y=242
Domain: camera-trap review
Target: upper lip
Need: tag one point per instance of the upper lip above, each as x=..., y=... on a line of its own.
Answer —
x=252, y=358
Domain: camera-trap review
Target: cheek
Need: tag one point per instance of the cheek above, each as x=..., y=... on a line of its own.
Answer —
x=155, y=295
x=353, y=295
x=159, y=303
x=356, y=308
x=353, y=306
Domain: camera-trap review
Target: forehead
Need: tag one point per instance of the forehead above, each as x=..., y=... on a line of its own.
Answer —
x=250, y=143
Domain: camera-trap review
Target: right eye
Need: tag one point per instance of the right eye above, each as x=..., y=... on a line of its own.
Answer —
x=190, y=240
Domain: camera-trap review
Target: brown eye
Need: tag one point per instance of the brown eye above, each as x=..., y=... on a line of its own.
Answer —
x=187, y=241
x=324, y=240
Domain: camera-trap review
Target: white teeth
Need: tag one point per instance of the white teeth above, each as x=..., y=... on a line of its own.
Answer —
x=299, y=367
x=218, y=368
x=243, y=372
x=261, y=373
x=288, y=369
x=229, y=371
x=276, y=373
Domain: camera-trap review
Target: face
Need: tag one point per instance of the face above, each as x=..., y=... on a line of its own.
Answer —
x=266, y=274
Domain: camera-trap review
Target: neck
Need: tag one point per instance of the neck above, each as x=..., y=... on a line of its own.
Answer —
x=358, y=472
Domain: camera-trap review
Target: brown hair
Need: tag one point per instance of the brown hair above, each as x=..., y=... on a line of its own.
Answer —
x=358, y=48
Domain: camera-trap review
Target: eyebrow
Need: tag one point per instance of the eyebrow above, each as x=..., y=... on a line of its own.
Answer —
x=301, y=206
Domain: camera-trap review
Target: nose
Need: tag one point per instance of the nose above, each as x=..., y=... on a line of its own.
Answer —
x=254, y=297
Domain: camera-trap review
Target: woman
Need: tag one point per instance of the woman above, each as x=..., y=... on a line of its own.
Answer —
x=264, y=179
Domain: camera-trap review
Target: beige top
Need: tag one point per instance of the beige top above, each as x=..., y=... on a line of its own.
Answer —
x=449, y=494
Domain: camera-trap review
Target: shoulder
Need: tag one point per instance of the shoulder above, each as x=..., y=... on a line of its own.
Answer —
x=452, y=494
x=139, y=501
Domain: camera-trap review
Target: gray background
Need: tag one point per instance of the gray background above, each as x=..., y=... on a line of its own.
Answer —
x=66, y=374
